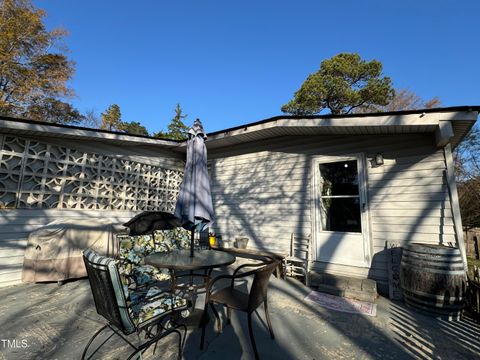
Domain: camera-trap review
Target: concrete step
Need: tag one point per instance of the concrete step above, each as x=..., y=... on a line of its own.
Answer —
x=352, y=288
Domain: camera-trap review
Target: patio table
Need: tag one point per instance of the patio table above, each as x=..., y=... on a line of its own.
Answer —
x=180, y=260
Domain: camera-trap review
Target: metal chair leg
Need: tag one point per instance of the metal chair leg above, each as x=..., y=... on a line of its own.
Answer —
x=229, y=315
x=184, y=327
x=143, y=347
x=180, y=344
x=217, y=316
x=136, y=352
x=91, y=340
x=265, y=304
x=204, y=325
x=252, y=339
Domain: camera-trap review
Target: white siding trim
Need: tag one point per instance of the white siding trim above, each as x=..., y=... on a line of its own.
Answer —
x=444, y=133
x=452, y=186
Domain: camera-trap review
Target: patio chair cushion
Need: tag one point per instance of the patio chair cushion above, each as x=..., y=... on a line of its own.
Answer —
x=135, y=273
x=168, y=240
x=134, y=249
x=137, y=307
x=121, y=296
x=146, y=305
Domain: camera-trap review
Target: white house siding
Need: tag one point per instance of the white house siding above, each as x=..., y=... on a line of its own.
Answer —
x=17, y=223
x=263, y=191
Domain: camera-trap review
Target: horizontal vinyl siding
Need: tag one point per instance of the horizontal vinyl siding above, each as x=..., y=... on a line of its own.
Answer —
x=16, y=225
x=262, y=196
x=263, y=191
x=409, y=202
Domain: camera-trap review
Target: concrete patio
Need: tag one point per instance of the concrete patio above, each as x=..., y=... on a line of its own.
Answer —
x=47, y=321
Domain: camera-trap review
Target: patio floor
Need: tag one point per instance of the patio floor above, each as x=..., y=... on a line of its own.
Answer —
x=48, y=321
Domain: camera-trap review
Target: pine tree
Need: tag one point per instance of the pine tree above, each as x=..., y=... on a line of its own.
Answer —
x=177, y=130
x=343, y=83
x=112, y=118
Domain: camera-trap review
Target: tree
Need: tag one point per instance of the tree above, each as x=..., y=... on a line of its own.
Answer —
x=54, y=111
x=111, y=118
x=33, y=70
x=342, y=84
x=177, y=130
x=91, y=119
x=404, y=99
x=134, y=128
x=467, y=173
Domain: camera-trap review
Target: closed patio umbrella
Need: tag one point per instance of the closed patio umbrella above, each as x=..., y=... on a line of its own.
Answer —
x=194, y=204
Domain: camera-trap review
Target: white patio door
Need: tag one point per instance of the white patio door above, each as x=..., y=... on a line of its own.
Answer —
x=340, y=210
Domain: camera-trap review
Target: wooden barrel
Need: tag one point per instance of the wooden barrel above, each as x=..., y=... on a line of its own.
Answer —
x=433, y=279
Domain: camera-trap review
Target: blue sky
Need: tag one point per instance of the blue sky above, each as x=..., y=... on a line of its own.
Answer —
x=234, y=62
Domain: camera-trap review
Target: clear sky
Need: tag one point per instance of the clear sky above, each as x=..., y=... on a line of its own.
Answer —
x=234, y=62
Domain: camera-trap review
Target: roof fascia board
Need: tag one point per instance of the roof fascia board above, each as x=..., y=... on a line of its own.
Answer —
x=422, y=119
x=452, y=109
x=46, y=129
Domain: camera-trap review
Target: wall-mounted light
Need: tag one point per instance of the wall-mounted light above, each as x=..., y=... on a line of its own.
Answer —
x=379, y=159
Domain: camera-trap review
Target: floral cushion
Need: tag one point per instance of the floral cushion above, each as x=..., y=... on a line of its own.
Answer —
x=135, y=273
x=139, y=280
x=98, y=261
x=138, y=306
x=168, y=240
x=134, y=249
x=146, y=305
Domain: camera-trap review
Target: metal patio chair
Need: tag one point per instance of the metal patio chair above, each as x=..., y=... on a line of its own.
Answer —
x=151, y=313
x=297, y=264
x=232, y=298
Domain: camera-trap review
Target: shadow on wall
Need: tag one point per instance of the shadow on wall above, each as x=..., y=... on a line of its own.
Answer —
x=263, y=200
x=264, y=192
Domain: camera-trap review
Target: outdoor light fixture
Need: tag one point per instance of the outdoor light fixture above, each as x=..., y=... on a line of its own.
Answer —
x=379, y=159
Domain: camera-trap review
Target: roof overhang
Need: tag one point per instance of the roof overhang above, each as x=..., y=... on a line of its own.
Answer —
x=34, y=128
x=448, y=126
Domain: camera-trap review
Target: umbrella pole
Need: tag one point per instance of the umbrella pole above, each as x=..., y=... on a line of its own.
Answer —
x=192, y=242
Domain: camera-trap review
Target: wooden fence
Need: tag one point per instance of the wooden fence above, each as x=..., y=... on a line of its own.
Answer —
x=473, y=296
x=472, y=242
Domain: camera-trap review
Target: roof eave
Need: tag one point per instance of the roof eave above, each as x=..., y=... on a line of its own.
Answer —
x=370, y=124
x=32, y=128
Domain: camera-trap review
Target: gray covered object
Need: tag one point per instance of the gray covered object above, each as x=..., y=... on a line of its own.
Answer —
x=194, y=205
x=54, y=251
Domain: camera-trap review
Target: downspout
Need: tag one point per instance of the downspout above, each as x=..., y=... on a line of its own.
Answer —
x=454, y=203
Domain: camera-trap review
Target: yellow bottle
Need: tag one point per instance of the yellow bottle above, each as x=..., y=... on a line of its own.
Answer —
x=212, y=241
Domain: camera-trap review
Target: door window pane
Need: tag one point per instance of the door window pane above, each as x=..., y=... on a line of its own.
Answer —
x=339, y=178
x=341, y=214
x=340, y=197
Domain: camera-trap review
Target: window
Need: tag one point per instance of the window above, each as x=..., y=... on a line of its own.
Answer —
x=339, y=197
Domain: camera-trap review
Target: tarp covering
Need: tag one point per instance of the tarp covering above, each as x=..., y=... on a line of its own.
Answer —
x=54, y=251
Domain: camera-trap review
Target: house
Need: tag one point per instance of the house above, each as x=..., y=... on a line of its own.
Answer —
x=357, y=183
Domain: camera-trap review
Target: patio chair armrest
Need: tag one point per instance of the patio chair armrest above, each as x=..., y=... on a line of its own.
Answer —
x=210, y=284
x=246, y=265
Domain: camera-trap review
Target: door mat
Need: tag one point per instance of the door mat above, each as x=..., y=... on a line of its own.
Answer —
x=338, y=303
